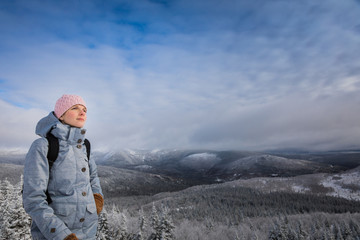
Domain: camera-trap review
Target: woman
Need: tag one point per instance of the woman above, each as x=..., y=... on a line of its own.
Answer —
x=71, y=183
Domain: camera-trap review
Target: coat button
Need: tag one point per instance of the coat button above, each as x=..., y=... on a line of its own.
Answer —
x=82, y=219
x=53, y=230
x=79, y=141
x=84, y=194
x=83, y=131
x=78, y=146
x=83, y=169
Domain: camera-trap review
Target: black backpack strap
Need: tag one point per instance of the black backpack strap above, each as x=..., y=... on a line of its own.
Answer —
x=52, y=154
x=53, y=149
x=88, y=148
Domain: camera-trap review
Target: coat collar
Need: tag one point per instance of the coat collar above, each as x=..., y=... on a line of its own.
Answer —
x=67, y=133
x=62, y=131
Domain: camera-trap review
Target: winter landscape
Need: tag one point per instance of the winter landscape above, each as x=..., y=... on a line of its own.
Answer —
x=246, y=113
x=195, y=194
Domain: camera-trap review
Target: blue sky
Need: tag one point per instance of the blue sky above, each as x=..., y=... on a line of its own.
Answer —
x=209, y=74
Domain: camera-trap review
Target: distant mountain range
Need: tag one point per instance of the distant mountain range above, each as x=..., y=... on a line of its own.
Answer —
x=128, y=172
x=222, y=166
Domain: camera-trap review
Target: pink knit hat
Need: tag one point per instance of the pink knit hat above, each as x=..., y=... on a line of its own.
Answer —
x=66, y=102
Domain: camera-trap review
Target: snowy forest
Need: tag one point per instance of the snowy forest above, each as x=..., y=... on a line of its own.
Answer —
x=15, y=223
x=234, y=213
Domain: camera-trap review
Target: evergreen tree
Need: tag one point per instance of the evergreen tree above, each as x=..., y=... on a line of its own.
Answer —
x=124, y=235
x=103, y=232
x=142, y=225
x=301, y=234
x=118, y=225
x=162, y=224
x=23, y=220
x=155, y=224
x=5, y=199
x=166, y=224
x=15, y=223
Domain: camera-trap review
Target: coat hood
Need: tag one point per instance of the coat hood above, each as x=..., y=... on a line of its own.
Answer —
x=46, y=124
x=62, y=131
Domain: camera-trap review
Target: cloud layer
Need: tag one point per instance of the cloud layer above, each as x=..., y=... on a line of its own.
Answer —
x=246, y=75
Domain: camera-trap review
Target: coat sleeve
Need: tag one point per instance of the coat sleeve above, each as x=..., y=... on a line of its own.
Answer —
x=36, y=177
x=94, y=179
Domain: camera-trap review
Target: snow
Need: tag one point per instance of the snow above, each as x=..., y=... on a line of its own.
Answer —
x=339, y=182
x=268, y=160
x=200, y=161
x=13, y=151
x=143, y=167
x=300, y=189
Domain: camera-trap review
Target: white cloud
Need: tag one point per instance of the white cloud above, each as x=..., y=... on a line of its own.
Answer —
x=188, y=74
x=17, y=125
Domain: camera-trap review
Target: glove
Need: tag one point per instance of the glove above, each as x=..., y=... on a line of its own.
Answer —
x=99, y=201
x=71, y=237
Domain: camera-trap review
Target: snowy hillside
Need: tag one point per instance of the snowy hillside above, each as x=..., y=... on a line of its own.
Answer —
x=200, y=161
x=212, y=166
x=345, y=185
x=130, y=172
x=269, y=165
x=11, y=172
x=13, y=156
x=268, y=160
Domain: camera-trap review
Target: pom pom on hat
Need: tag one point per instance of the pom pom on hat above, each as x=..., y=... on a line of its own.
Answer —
x=66, y=102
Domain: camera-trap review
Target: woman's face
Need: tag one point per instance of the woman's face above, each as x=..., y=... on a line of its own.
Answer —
x=75, y=116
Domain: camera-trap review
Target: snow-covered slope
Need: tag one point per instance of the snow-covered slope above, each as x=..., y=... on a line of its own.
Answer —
x=267, y=160
x=200, y=161
x=269, y=165
x=344, y=184
x=11, y=172
x=212, y=166
x=12, y=156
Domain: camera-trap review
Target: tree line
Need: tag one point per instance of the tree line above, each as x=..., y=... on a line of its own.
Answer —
x=209, y=213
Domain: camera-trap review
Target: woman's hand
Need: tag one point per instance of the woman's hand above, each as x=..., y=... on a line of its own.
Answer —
x=99, y=201
x=71, y=237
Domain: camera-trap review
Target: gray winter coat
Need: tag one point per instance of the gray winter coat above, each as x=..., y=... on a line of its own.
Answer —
x=71, y=184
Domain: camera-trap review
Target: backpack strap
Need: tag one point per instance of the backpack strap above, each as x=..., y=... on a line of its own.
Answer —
x=53, y=149
x=52, y=154
x=88, y=148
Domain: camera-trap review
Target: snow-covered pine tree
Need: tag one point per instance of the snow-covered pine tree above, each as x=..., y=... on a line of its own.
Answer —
x=22, y=219
x=124, y=235
x=167, y=224
x=6, y=190
x=5, y=194
x=162, y=224
x=154, y=223
x=103, y=227
x=301, y=234
x=15, y=223
x=142, y=225
x=117, y=223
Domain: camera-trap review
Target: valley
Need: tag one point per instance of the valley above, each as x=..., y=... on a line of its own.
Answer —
x=224, y=191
